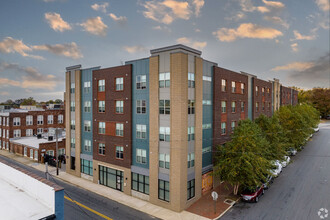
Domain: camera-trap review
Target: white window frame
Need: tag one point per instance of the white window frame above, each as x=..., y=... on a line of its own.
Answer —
x=120, y=129
x=50, y=119
x=120, y=84
x=29, y=132
x=141, y=156
x=141, y=131
x=101, y=85
x=40, y=120
x=29, y=120
x=164, y=80
x=87, y=86
x=141, y=82
x=60, y=119
x=166, y=133
x=16, y=121
x=87, y=126
x=101, y=127
x=88, y=145
x=17, y=133
x=87, y=106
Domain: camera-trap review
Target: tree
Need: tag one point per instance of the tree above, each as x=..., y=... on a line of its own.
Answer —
x=241, y=161
x=29, y=101
x=58, y=101
x=319, y=98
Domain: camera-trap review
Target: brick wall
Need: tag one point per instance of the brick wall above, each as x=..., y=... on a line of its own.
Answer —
x=264, y=99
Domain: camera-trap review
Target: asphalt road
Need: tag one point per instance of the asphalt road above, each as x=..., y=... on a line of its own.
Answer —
x=100, y=204
x=301, y=190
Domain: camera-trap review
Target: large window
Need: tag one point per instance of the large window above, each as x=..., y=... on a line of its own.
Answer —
x=191, y=106
x=223, y=106
x=17, y=133
x=120, y=129
x=88, y=146
x=111, y=178
x=72, y=106
x=242, y=106
x=50, y=119
x=73, y=125
x=102, y=148
x=233, y=125
x=164, y=134
x=141, y=82
x=29, y=120
x=40, y=130
x=164, y=161
x=223, y=85
x=87, y=87
x=242, y=88
x=163, y=190
x=140, y=183
x=119, y=152
x=119, y=107
x=263, y=106
x=29, y=132
x=17, y=121
x=0, y=120
x=191, y=80
x=141, y=156
x=191, y=160
x=101, y=106
x=72, y=87
x=223, y=127
x=263, y=91
x=233, y=87
x=141, y=131
x=101, y=85
x=164, y=107
x=191, y=133
x=257, y=90
x=257, y=106
x=60, y=119
x=233, y=107
x=101, y=127
x=141, y=106
x=119, y=84
x=164, y=80
x=87, y=167
x=40, y=119
x=190, y=189
x=73, y=143
x=87, y=106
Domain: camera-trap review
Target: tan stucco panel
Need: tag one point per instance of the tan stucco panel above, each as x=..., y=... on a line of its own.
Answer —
x=67, y=123
x=78, y=119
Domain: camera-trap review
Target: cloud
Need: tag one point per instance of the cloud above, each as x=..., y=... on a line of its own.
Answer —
x=298, y=66
x=294, y=47
x=4, y=82
x=56, y=22
x=277, y=20
x=100, y=7
x=236, y=17
x=198, y=5
x=166, y=11
x=273, y=4
x=268, y=7
x=162, y=28
x=324, y=5
x=68, y=50
x=4, y=93
x=263, y=9
x=95, y=26
x=299, y=36
x=189, y=42
x=11, y=45
x=246, y=30
x=120, y=20
x=135, y=49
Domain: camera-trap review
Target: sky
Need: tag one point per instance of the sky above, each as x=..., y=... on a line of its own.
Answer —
x=288, y=40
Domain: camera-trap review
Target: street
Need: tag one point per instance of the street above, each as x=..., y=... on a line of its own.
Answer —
x=301, y=190
x=101, y=205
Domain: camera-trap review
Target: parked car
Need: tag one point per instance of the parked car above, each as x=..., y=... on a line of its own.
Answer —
x=50, y=159
x=285, y=161
x=316, y=129
x=292, y=151
x=252, y=195
x=327, y=117
x=276, y=169
x=269, y=180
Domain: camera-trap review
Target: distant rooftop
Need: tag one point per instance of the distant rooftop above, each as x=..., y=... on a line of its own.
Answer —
x=176, y=47
x=33, y=141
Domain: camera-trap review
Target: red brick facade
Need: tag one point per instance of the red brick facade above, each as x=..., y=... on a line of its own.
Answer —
x=262, y=98
x=285, y=96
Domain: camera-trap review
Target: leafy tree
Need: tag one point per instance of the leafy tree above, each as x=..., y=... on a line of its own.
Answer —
x=241, y=161
x=58, y=101
x=319, y=98
x=29, y=101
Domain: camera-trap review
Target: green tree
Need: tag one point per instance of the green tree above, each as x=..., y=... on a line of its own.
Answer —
x=319, y=98
x=29, y=101
x=241, y=161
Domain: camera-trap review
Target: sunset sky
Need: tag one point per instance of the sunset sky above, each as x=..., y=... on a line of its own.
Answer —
x=288, y=40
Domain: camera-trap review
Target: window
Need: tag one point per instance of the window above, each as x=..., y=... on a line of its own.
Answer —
x=73, y=106
x=164, y=80
x=35, y=155
x=101, y=85
x=223, y=127
x=207, y=78
x=141, y=156
x=140, y=183
x=50, y=119
x=223, y=106
x=263, y=91
x=119, y=107
x=207, y=150
x=72, y=87
x=29, y=132
x=191, y=106
x=119, y=152
x=87, y=145
x=25, y=151
x=164, y=190
x=60, y=119
x=207, y=102
x=17, y=133
x=191, y=133
x=31, y=153
x=8, y=121
x=40, y=130
x=242, y=106
x=119, y=84
x=87, y=106
x=268, y=91
x=40, y=119
x=141, y=131
x=61, y=151
x=7, y=133
x=141, y=82
x=141, y=106
x=120, y=129
x=207, y=126
x=257, y=90
x=233, y=107
x=0, y=120
x=190, y=189
x=17, y=121
x=191, y=80
x=191, y=160
x=164, y=107
x=164, y=134
x=101, y=106
x=233, y=87
x=263, y=106
x=233, y=125
x=86, y=167
x=73, y=143
x=223, y=85
x=73, y=125
x=87, y=86
x=87, y=126
x=257, y=106
x=111, y=178
x=29, y=120
x=101, y=127
x=4, y=133
x=164, y=161
x=102, y=148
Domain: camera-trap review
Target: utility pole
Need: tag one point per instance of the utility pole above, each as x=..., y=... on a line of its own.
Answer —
x=56, y=134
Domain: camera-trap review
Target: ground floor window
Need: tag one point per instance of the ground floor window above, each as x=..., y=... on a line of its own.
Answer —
x=25, y=151
x=111, y=178
x=140, y=183
x=190, y=189
x=61, y=151
x=164, y=190
x=31, y=153
x=86, y=167
x=36, y=155
x=50, y=152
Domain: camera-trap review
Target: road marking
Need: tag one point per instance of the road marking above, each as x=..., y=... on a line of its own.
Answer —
x=89, y=209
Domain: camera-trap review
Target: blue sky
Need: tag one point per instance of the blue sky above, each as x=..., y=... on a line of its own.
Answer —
x=288, y=40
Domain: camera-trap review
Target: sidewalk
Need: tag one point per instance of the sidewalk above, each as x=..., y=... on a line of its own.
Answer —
x=203, y=207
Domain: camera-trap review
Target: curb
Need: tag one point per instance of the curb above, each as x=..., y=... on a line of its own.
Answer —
x=226, y=210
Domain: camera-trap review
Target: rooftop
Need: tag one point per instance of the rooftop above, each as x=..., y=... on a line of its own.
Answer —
x=34, y=141
x=176, y=47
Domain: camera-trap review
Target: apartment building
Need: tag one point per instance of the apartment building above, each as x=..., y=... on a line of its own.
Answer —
x=149, y=128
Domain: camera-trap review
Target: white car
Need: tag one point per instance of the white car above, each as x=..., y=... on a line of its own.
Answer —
x=286, y=161
x=277, y=168
x=316, y=129
x=292, y=151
